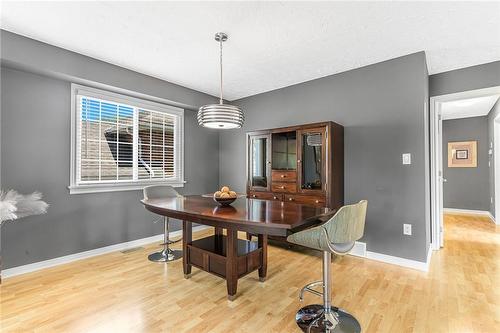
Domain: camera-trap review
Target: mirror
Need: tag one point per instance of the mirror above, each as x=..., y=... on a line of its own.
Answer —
x=312, y=171
x=259, y=160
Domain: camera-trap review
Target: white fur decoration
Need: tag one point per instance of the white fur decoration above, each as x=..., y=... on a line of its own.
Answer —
x=14, y=206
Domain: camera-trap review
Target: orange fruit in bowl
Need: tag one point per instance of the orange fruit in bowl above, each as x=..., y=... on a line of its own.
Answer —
x=225, y=189
x=217, y=194
x=224, y=195
x=232, y=194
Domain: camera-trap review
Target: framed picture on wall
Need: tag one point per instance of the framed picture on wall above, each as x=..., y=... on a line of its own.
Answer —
x=462, y=154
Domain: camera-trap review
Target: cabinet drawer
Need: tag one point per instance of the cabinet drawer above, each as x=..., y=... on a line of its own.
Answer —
x=283, y=176
x=266, y=196
x=284, y=187
x=311, y=200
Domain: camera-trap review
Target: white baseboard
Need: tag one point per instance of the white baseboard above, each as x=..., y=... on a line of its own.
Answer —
x=14, y=271
x=359, y=250
x=470, y=212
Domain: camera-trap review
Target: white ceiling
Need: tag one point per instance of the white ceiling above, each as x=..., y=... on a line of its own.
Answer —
x=465, y=108
x=271, y=45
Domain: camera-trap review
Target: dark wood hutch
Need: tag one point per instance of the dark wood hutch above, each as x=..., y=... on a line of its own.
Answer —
x=302, y=164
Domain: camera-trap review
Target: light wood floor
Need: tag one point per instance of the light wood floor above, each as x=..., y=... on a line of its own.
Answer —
x=125, y=293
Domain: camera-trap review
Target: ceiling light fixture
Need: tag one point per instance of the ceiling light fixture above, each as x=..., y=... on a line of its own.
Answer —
x=223, y=116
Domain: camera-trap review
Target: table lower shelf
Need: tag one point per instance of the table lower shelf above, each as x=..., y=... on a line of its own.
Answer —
x=209, y=254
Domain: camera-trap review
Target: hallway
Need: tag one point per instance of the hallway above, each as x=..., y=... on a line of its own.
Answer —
x=467, y=271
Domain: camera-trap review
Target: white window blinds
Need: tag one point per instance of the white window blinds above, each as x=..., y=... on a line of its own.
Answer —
x=156, y=145
x=122, y=140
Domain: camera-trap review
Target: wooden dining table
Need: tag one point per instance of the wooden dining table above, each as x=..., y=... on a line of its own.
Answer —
x=225, y=255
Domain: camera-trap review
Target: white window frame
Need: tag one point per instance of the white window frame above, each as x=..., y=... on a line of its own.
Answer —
x=141, y=101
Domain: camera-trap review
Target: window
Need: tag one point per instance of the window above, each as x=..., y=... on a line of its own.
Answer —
x=123, y=143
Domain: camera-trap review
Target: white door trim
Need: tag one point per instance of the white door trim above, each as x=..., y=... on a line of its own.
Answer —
x=496, y=171
x=436, y=195
x=435, y=107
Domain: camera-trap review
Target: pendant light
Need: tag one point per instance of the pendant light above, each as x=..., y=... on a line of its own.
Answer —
x=223, y=116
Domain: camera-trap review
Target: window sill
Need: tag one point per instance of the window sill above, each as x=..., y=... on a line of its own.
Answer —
x=99, y=188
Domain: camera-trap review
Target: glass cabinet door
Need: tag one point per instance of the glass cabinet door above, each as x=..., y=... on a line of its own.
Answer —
x=284, y=151
x=311, y=159
x=259, y=171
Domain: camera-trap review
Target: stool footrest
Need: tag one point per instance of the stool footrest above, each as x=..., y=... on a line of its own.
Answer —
x=308, y=288
x=171, y=242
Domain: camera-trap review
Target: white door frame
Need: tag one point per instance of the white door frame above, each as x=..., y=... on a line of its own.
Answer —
x=436, y=172
x=436, y=158
x=496, y=171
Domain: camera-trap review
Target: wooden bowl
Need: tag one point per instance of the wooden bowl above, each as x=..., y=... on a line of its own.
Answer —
x=224, y=202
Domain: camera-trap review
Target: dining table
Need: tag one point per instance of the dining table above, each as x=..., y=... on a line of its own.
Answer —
x=223, y=253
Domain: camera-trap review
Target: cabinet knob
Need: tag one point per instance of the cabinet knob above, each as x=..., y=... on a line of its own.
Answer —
x=290, y=199
x=282, y=187
x=298, y=161
x=275, y=198
x=254, y=196
x=317, y=201
x=282, y=176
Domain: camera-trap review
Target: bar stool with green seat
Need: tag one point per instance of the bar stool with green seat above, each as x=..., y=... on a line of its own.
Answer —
x=166, y=254
x=337, y=235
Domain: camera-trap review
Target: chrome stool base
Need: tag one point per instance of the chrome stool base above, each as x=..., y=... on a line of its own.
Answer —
x=165, y=256
x=311, y=319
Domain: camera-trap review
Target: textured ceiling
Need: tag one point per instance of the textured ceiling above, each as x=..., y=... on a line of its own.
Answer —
x=471, y=107
x=271, y=45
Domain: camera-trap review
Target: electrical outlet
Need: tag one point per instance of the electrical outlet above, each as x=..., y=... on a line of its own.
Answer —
x=407, y=229
x=407, y=158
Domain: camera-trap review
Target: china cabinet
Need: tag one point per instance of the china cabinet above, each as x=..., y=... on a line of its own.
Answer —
x=302, y=164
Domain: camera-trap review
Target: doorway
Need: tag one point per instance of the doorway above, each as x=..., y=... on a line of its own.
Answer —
x=438, y=105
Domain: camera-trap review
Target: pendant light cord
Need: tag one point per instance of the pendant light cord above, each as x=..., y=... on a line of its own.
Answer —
x=220, y=42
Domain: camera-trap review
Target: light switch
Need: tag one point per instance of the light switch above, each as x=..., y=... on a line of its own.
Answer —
x=407, y=229
x=407, y=158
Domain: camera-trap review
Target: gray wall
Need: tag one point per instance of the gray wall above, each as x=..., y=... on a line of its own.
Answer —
x=470, y=78
x=467, y=188
x=494, y=113
x=35, y=153
x=382, y=107
x=384, y=110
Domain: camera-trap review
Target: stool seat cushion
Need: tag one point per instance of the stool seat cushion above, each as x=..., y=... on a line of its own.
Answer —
x=159, y=191
x=336, y=235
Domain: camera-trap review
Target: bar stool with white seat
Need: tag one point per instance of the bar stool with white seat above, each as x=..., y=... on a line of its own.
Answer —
x=166, y=254
x=337, y=235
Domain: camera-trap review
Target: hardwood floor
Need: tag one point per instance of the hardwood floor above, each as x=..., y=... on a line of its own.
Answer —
x=124, y=292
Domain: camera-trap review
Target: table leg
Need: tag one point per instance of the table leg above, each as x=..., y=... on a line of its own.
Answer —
x=232, y=263
x=262, y=242
x=219, y=239
x=187, y=235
